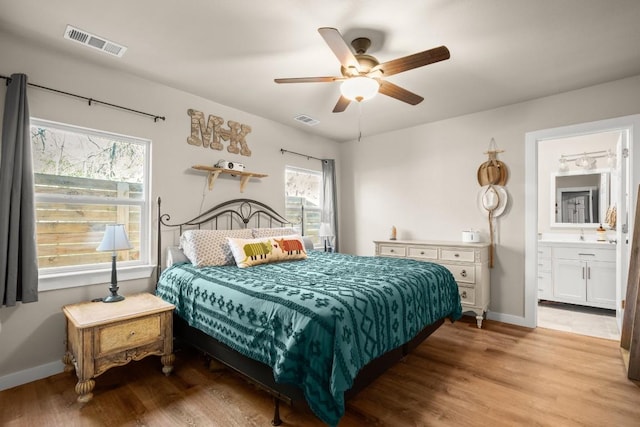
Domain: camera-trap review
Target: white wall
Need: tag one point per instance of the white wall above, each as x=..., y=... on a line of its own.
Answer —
x=423, y=179
x=32, y=335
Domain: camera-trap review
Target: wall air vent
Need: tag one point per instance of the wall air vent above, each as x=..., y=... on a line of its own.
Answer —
x=93, y=41
x=309, y=121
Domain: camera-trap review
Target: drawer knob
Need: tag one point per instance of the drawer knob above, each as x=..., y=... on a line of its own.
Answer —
x=421, y=252
x=463, y=294
x=391, y=250
x=456, y=255
x=463, y=273
x=132, y=333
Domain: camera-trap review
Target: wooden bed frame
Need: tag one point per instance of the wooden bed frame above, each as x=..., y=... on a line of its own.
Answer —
x=244, y=213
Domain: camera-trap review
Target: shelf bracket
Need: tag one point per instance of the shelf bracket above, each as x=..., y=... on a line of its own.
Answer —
x=212, y=178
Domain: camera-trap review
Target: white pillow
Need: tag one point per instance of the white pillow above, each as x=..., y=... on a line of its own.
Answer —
x=262, y=250
x=210, y=247
x=273, y=232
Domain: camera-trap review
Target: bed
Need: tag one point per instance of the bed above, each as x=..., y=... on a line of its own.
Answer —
x=315, y=327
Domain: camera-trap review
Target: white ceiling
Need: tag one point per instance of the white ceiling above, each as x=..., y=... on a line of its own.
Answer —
x=229, y=51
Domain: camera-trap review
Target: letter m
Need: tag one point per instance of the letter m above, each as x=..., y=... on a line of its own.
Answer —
x=204, y=135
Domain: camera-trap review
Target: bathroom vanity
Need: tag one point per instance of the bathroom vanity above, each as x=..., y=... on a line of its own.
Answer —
x=579, y=272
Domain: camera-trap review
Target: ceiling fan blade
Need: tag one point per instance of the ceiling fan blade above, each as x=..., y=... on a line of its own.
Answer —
x=339, y=47
x=308, y=80
x=416, y=60
x=341, y=105
x=395, y=91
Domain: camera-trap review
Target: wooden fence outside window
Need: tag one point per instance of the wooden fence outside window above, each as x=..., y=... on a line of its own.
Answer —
x=68, y=233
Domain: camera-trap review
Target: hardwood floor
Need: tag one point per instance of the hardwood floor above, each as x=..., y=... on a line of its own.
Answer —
x=501, y=375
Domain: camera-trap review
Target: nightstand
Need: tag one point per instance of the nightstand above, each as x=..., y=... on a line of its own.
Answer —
x=101, y=336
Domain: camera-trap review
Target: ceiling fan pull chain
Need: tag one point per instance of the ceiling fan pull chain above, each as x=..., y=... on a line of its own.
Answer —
x=359, y=121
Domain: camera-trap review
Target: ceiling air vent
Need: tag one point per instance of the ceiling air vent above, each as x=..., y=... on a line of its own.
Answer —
x=96, y=42
x=309, y=121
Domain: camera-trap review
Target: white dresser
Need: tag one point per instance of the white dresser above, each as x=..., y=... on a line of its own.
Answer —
x=469, y=263
x=581, y=273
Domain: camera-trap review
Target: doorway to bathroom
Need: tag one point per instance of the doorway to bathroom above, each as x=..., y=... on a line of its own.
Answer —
x=578, y=205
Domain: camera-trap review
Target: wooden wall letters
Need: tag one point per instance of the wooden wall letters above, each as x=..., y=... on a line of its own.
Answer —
x=210, y=134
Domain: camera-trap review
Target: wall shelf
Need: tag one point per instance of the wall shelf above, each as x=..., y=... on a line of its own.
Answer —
x=214, y=173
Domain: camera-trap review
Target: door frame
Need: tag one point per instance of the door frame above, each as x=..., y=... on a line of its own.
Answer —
x=630, y=124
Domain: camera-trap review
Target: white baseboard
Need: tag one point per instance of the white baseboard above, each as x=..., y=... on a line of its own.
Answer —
x=509, y=318
x=32, y=374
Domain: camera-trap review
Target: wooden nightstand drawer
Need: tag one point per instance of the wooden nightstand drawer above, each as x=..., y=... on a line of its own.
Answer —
x=400, y=251
x=466, y=255
x=462, y=273
x=423, y=252
x=127, y=335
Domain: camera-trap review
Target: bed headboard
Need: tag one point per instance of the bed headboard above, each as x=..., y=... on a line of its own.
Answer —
x=236, y=213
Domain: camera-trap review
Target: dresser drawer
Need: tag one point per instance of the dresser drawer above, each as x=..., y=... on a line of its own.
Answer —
x=423, y=252
x=128, y=334
x=467, y=295
x=462, y=273
x=466, y=255
x=392, y=250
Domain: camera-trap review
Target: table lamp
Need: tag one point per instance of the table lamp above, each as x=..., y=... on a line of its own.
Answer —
x=115, y=239
x=325, y=233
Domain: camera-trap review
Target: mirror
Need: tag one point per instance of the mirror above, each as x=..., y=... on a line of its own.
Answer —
x=580, y=198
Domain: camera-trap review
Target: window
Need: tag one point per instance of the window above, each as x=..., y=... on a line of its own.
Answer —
x=85, y=179
x=303, y=189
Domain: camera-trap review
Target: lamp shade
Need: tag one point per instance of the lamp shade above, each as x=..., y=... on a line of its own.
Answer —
x=359, y=88
x=115, y=239
x=325, y=230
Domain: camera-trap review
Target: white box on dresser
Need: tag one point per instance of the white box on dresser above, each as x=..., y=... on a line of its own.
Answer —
x=468, y=262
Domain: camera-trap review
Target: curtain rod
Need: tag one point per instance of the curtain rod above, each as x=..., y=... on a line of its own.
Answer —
x=90, y=100
x=282, y=150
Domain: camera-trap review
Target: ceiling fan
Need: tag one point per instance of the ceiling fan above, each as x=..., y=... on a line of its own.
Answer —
x=363, y=75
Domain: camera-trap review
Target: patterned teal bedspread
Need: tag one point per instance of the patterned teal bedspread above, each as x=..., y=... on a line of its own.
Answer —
x=317, y=321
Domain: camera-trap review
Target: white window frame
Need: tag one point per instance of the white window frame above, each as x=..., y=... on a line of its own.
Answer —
x=52, y=278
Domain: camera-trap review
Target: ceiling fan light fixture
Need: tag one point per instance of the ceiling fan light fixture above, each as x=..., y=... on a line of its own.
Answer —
x=359, y=88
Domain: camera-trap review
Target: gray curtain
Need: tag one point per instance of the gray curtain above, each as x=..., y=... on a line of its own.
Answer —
x=18, y=260
x=329, y=199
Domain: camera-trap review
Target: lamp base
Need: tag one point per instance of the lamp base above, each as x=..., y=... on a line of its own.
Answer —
x=113, y=298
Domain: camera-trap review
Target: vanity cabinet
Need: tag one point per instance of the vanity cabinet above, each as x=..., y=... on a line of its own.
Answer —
x=583, y=274
x=468, y=262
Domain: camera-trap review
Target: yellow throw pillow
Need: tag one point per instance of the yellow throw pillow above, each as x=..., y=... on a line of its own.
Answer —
x=250, y=252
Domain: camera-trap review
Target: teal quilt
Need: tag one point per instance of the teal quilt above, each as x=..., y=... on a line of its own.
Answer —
x=316, y=321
